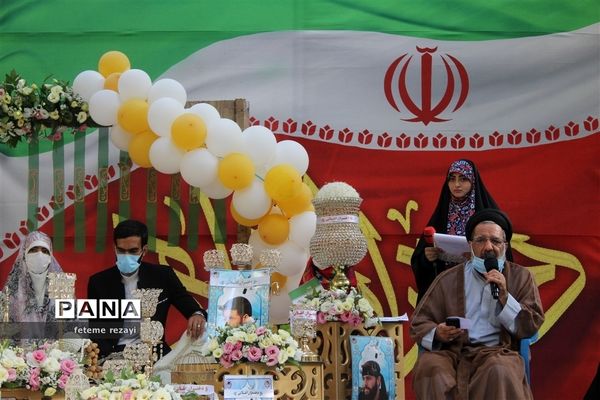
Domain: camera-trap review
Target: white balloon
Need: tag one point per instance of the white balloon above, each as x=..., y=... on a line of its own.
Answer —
x=87, y=83
x=252, y=202
x=120, y=137
x=165, y=156
x=216, y=190
x=104, y=106
x=134, y=84
x=205, y=111
x=162, y=113
x=302, y=228
x=259, y=144
x=223, y=136
x=167, y=88
x=291, y=152
x=293, y=258
x=199, y=167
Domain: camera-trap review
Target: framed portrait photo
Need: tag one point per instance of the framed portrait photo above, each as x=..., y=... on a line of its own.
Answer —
x=236, y=297
x=372, y=368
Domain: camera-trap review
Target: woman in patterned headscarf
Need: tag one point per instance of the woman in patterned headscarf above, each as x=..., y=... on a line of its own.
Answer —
x=27, y=282
x=463, y=193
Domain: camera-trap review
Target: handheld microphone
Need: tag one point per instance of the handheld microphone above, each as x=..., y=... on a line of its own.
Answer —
x=428, y=233
x=491, y=262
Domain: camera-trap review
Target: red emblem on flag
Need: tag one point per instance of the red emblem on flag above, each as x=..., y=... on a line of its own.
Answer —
x=396, y=90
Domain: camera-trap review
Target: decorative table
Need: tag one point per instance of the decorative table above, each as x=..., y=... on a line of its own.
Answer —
x=26, y=394
x=302, y=382
x=332, y=342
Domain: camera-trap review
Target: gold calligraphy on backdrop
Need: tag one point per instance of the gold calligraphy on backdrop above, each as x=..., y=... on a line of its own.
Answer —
x=549, y=260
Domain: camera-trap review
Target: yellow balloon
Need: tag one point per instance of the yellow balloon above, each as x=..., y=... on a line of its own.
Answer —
x=139, y=148
x=236, y=171
x=113, y=61
x=112, y=82
x=283, y=182
x=243, y=220
x=274, y=229
x=188, y=131
x=133, y=116
x=298, y=204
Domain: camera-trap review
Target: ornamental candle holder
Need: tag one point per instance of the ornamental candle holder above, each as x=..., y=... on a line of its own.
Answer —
x=76, y=384
x=213, y=259
x=61, y=285
x=303, y=321
x=338, y=241
x=151, y=332
x=241, y=255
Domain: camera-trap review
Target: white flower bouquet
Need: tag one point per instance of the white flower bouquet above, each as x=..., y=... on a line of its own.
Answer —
x=338, y=305
x=45, y=369
x=254, y=344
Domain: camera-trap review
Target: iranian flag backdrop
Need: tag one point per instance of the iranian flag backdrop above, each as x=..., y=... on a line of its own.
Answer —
x=383, y=95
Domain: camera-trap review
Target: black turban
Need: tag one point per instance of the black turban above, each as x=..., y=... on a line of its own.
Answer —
x=371, y=368
x=489, y=214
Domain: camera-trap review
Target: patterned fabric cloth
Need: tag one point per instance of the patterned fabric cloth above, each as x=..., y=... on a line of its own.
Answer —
x=23, y=304
x=459, y=211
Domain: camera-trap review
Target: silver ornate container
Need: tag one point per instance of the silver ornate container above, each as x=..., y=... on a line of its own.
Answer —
x=338, y=240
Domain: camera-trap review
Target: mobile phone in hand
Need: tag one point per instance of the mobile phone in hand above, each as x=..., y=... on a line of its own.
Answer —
x=453, y=321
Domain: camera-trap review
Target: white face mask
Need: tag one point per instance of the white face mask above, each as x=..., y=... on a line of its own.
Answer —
x=37, y=262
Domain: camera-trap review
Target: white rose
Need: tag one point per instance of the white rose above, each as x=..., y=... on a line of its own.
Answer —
x=53, y=97
x=161, y=394
x=3, y=375
x=283, y=334
x=89, y=393
x=364, y=305
x=217, y=353
x=50, y=365
x=142, y=394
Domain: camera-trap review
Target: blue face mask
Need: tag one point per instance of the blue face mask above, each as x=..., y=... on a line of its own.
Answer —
x=479, y=263
x=128, y=263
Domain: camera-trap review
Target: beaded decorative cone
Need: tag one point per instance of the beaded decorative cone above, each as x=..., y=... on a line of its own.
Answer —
x=338, y=241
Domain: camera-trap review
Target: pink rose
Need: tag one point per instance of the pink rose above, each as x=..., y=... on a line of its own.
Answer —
x=62, y=381
x=355, y=320
x=321, y=318
x=225, y=360
x=254, y=354
x=261, y=330
x=271, y=361
x=128, y=396
x=34, y=379
x=346, y=316
x=237, y=346
x=38, y=356
x=236, y=355
x=272, y=351
x=228, y=348
x=12, y=374
x=67, y=366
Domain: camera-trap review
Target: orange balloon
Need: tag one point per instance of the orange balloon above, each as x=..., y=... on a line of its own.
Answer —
x=274, y=229
x=299, y=204
x=278, y=278
x=283, y=182
x=113, y=61
x=112, y=82
x=242, y=220
x=236, y=171
x=133, y=116
x=139, y=148
x=188, y=131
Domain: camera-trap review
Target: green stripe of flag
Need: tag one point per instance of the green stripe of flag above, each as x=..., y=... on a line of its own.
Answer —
x=102, y=205
x=33, y=185
x=193, y=218
x=58, y=168
x=177, y=30
x=151, y=206
x=79, y=190
x=124, y=184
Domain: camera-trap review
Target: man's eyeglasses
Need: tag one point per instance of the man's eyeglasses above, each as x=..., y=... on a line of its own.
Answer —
x=495, y=241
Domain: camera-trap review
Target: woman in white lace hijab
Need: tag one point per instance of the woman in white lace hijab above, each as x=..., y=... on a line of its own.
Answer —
x=28, y=280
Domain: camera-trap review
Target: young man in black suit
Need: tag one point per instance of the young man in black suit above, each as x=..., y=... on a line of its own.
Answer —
x=129, y=273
